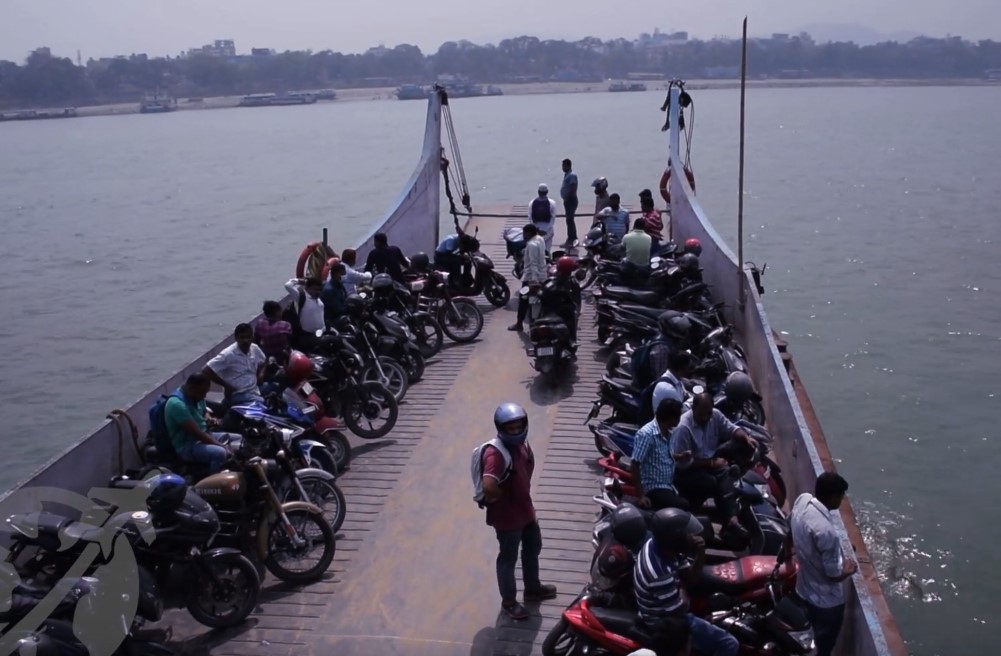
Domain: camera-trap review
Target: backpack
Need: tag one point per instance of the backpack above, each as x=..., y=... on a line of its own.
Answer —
x=647, y=410
x=291, y=313
x=639, y=364
x=158, y=433
x=476, y=467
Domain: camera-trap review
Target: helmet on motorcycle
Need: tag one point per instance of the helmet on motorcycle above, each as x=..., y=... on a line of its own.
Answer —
x=299, y=368
x=675, y=325
x=671, y=528
x=511, y=422
x=739, y=387
x=420, y=261
x=565, y=266
x=354, y=304
x=628, y=525
x=693, y=246
x=166, y=493
x=600, y=184
x=382, y=283
x=615, y=562
x=689, y=262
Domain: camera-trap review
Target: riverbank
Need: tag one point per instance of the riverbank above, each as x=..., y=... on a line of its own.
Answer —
x=539, y=88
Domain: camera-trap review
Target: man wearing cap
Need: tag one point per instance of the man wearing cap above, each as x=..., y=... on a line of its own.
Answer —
x=542, y=212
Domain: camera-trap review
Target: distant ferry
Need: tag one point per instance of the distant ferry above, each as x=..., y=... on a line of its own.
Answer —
x=38, y=114
x=155, y=103
x=273, y=99
x=456, y=88
x=626, y=86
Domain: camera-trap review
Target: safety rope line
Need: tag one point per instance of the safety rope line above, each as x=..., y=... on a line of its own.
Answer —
x=457, y=171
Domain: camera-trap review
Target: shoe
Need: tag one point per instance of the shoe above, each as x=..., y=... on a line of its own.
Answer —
x=515, y=611
x=543, y=593
x=515, y=327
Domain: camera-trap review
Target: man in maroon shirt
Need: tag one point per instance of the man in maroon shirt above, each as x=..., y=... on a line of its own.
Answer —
x=508, y=494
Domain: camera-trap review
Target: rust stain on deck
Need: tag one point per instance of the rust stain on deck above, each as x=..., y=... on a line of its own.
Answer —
x=414, y=570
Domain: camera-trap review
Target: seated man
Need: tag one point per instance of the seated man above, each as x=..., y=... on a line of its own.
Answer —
x=271, y=333
x=239, y=368
x=561, y=295
x=669, y=637
x=654, y=459
x=450, y=254
x=712, y=440
x=668, y=560
x=184, y=415
x=638, y=245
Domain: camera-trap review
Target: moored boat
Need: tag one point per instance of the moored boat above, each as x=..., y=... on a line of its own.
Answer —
x=278, y=99
x=620, y=86
x=38, y=114
x=157, y=103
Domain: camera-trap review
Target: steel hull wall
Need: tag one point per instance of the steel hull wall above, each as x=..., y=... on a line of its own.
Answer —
x=412, y=223
x=796, y=447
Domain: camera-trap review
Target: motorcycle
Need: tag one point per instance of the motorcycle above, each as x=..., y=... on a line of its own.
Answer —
x=460, y=318
x=514, y=243
x=363, y=337
x=484, y=281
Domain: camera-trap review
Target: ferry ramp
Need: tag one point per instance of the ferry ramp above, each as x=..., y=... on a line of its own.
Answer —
x=414, y=572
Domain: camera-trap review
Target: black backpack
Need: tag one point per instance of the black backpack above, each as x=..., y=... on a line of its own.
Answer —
x=291, y=313
x=639, y=363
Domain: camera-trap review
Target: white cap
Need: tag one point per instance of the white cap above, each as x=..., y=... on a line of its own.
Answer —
x=543, y=188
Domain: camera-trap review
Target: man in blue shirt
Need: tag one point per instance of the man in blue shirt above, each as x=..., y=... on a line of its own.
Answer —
x=568, y=192
x=334, y=295
x=673, y=556
x=653, y=460
x=615, y=218
x=449, y=253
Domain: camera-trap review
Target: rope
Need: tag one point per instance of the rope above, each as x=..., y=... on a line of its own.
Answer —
x=458, y=172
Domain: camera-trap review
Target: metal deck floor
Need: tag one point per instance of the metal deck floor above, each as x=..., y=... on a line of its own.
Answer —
x=414, y=570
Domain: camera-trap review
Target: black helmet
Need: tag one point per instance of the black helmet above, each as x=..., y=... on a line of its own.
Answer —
x=354, y=304
x=739, y=387
x=688, y=262
x=615, y=562
x=382, y=282
x=420, y=261
x=628, y=525
x=671, y=528
x=167, y=492
x=675, y=325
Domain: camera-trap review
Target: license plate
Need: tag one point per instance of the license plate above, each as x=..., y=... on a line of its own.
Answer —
x=544, y=350
x=307, y=389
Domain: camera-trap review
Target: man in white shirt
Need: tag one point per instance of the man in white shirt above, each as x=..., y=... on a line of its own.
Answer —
x=822, y=565
x=307, y=292
x=535, y=270
x=239, y=368
x=542, y=213
x=669, y=386
x=351, y=277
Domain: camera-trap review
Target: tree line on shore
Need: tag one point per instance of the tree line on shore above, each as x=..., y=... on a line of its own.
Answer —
x=44, y=79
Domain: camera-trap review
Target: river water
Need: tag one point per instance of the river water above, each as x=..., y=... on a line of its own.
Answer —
x=130, y=244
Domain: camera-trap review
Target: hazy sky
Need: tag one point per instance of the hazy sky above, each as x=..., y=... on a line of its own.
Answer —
x=108, y=27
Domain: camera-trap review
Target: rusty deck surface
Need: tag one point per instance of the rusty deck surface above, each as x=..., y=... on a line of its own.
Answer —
x=414, y=571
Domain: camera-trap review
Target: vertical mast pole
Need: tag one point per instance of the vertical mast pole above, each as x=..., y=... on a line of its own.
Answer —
x=740, y=173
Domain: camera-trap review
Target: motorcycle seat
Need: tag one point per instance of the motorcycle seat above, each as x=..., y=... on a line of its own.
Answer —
x=51, y=529
x=619, y=383
x=548, y=320
x=628, y=429
x=641, y=296
x=652, y=312
x=615, y=620
x=733, y=578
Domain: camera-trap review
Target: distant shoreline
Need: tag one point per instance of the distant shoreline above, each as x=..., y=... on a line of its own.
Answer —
x=539, y=88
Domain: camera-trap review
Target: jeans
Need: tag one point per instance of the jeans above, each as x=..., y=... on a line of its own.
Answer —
x=826, y=626
x=700, y=484
x=570, y=209
x=250, y=396
x=666, y=498
x=209, y=454
x=530, y=540
x=711, y=640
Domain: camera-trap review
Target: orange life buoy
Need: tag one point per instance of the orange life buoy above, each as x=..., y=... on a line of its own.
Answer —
x=665, y=183
x=313, y=260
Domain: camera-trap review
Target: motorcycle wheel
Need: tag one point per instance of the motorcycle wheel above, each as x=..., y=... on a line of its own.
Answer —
x=369, y=406
x=561, y=641
x=325, y=494
x=310, y=526
x=462, y=322
x=753, y=412
x=497, y=292
x=429, y=335
x=339, y=451
x=395, y=376
x=413, y=364
x=226, y=598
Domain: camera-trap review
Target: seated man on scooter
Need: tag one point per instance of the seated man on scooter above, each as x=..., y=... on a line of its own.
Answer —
x=653, y=460
x=714, y=442
x=561, y=296
x=670, y=559
x=187, y=426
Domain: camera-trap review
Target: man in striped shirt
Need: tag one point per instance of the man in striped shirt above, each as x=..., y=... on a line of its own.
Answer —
x=662, y=568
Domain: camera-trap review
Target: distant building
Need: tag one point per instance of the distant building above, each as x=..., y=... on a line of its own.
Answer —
x=261, y=52
x=45, y=51
x=660, y=39
x=780, y=36
x=219, y=48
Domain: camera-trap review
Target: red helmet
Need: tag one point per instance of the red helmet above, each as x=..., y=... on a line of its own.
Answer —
x=565, y=266
x=693, y=245
x=299, y=368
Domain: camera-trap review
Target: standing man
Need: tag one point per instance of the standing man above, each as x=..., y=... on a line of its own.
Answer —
x=271, y=333
x=239, y=368
x=353, y=278
x=308, y=307
x=386, y=259
x=653, y=459
x=542, y=213
x=600, y=194
x=823, y=567
x=568, y=192
x=507, y=492
x=534, y=272
x=335, y=295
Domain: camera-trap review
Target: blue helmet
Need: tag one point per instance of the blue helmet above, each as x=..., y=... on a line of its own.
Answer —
x=167, y=493
x=511, y=413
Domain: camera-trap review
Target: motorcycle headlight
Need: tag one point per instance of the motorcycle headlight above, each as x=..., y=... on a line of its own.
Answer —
x=804, y=639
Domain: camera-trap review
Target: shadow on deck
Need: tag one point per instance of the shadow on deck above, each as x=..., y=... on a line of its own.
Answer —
x=414, y=570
